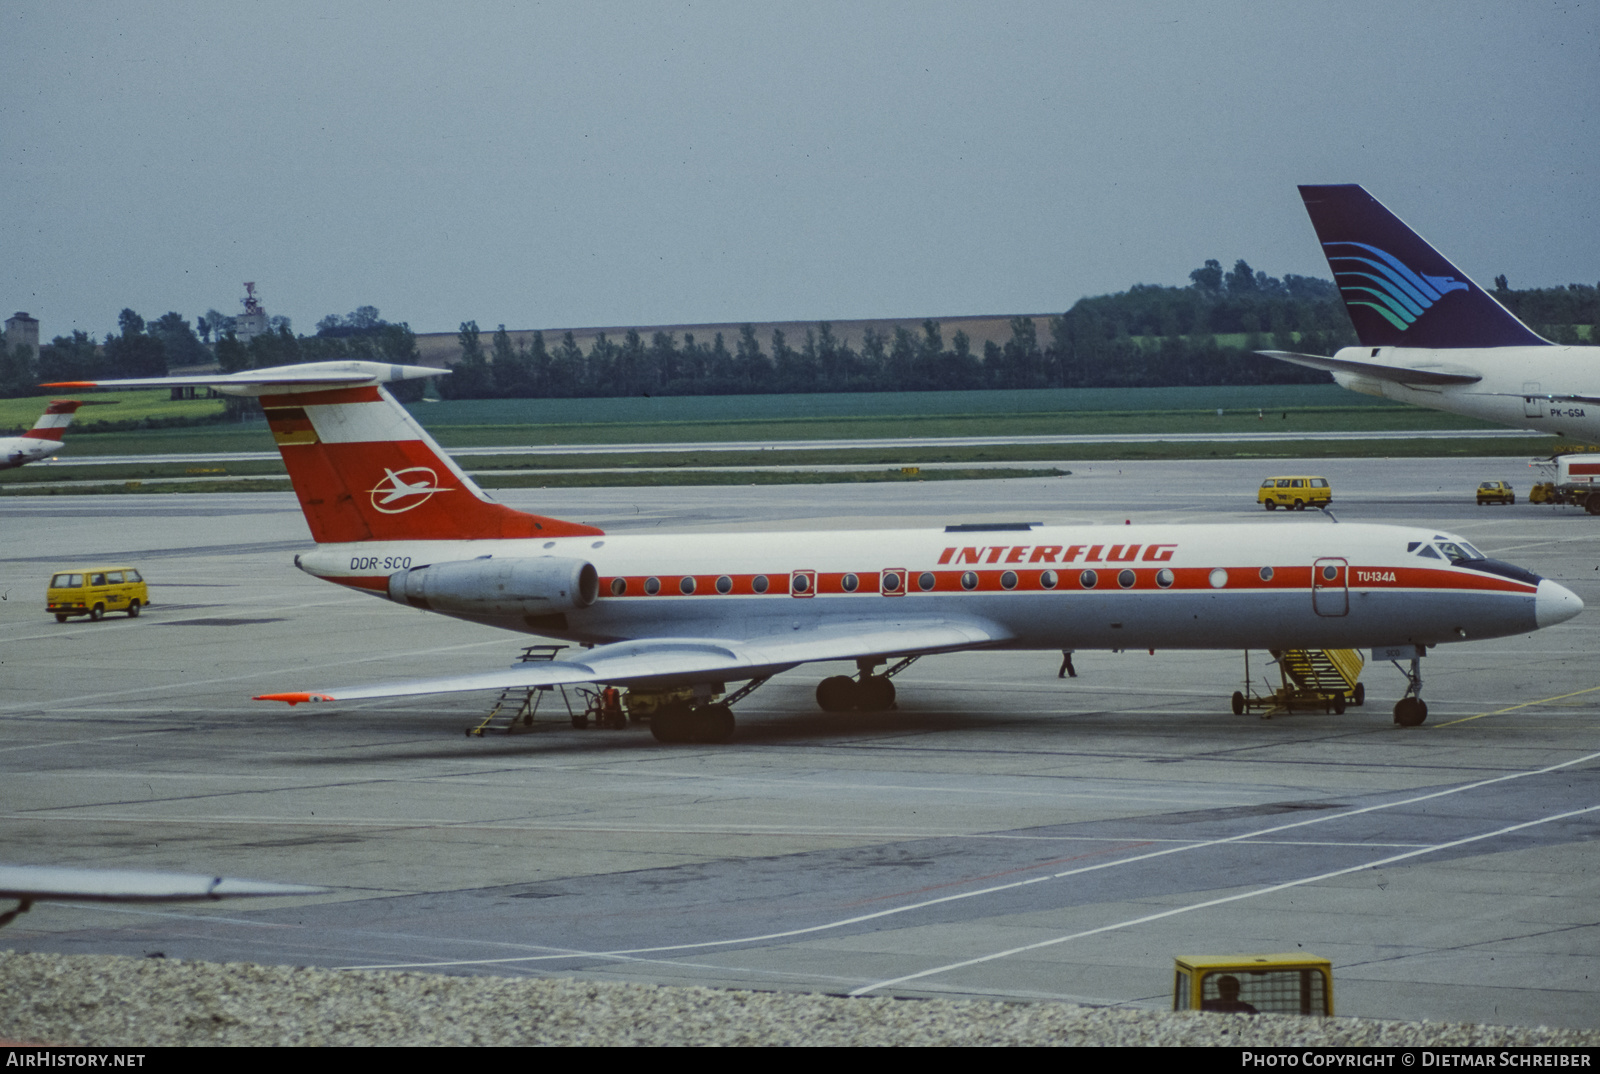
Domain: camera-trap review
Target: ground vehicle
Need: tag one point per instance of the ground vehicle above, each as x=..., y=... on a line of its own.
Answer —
x=1294, y=492
x=1495, y=492
x=1577, y=481
x=1253, y=984
x=93, y=591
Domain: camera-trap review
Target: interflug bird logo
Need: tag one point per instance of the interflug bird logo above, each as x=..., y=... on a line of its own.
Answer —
x=1401, y=295
x=396, y=495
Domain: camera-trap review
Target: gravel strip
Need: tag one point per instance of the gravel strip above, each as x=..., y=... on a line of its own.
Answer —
x=125, y=1002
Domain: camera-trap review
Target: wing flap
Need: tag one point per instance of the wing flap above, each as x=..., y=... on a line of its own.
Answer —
x=695, y=659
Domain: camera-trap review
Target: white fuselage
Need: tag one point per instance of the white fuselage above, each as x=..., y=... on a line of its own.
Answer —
x=1524, y=387
x=1289, y=584
x=20, y=450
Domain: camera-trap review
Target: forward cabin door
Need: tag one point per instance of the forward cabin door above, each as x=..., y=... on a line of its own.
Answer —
x=1532, y=405
x=1330, y=586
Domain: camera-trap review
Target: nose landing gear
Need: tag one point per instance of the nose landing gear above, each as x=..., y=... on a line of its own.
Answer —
x=1411, y=710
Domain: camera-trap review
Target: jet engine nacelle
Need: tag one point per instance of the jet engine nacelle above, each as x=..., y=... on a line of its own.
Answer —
x=498, y=587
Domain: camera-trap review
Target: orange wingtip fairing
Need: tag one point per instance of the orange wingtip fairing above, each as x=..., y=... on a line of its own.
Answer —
x=293, y=699
x=72, y=384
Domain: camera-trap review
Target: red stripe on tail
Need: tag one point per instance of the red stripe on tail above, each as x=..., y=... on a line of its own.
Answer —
x=365, y=470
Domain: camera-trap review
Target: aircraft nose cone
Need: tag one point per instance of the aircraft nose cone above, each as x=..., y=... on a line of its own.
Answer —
x=1553, y=603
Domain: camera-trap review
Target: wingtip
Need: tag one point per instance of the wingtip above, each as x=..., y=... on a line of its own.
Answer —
x=293, y=698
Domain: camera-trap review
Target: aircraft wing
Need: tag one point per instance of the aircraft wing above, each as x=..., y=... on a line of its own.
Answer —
x=1430, y=374
x=30, y=882
x=687, y=660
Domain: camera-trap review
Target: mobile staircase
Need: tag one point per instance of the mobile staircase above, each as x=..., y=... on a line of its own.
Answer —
x=518, y=704
x=1326, y=679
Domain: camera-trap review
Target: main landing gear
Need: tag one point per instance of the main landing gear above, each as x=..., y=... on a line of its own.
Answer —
x=866, y=693
x=695, y=718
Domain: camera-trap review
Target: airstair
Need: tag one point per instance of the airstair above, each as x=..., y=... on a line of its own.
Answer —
x=1326, y=679
x=517, y=705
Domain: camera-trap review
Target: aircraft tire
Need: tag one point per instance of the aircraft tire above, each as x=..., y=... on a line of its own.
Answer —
x=1410, y=712
x=133, y=610
x=836, y=693
x=98, y=612
x=713, y=723
x=875, y=694
x=671, y=723
x=1238, y=703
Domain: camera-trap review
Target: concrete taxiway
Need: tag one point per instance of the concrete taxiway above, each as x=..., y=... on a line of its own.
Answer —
x=1004, y=833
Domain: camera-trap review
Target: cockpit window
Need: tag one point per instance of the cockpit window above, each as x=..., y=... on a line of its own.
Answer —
x=1427, y=552
x=1457, y=549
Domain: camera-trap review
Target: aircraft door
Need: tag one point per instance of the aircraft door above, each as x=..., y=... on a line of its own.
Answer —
x=1330, y=586
x=1532, y=405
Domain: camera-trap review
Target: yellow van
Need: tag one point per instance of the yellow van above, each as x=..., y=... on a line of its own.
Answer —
x=93, y=591
x=1297, y=493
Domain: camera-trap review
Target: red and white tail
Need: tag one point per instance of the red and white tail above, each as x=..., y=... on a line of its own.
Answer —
x=363, y=468
x=54, y=421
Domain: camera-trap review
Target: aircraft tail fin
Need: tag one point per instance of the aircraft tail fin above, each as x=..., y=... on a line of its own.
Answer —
x=52, y=424
x=362, y=467
x=1400, y=291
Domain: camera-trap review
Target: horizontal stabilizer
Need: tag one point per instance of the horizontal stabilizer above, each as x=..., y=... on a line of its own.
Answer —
x=260, y=381
x=1433, y=373
x=688, y=660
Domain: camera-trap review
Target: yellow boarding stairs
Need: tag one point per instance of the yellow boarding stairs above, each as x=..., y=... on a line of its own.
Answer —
x=518, y=704
x=1325, y=679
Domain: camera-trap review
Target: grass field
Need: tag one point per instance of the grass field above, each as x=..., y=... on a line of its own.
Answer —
x=19, y=414
x=774, y=420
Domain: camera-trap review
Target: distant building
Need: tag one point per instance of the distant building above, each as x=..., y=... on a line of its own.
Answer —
x=253, y=321
x=22, y=331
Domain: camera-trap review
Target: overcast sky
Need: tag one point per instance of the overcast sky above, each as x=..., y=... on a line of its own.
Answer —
x=563, y=165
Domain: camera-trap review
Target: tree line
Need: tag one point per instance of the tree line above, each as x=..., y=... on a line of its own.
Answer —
x=1147, y=336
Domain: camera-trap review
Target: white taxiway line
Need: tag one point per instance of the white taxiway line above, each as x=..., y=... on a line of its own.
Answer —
x=864, y=989
x=1013, y=885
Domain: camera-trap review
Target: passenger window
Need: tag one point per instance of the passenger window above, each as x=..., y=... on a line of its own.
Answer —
x=60, y=581
x=1319, y=482
x=114, y=577
x=97, y=579
x=1299, y=484
x=1283, y=482
x=134, y=576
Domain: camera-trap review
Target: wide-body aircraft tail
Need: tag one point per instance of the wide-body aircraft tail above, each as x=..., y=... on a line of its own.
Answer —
x=362, y=467
x=1400, y=291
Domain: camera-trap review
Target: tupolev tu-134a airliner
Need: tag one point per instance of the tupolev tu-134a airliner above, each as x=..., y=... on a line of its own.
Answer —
x=1432, y=337
x=680, y=617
